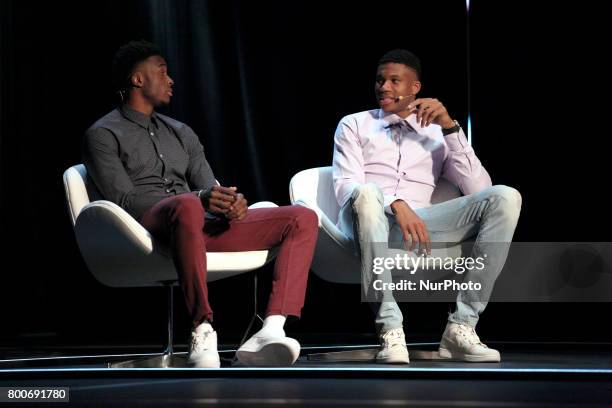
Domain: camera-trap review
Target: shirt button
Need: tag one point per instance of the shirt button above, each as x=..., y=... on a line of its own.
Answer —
x=161, y=156
x=167, y=190
x=152, y=134
x=165, y=179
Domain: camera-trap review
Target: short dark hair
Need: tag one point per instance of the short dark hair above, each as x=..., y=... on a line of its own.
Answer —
x=400, y=56
x=127, y=57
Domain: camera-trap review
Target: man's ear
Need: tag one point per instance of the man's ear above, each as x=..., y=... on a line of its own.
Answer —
x=416, y=87
x=137, y=79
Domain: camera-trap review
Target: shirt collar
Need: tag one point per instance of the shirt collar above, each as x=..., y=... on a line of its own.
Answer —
x=138, y=117
x=391, y=119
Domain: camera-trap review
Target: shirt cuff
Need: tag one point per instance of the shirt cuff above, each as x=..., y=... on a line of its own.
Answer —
x=388, y=199
x=457, y=141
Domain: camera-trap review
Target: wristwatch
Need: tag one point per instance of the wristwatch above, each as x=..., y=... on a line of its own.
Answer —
x=452, y=129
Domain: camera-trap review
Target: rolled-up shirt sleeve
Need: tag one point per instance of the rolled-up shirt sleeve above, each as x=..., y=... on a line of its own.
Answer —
x=348, y=163
x=199, y=173
x=462, y=167
x=102, y=160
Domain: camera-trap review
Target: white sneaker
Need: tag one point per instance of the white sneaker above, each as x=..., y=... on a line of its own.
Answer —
x=269, y=351
x=203, y=350
x=393, y=348
x=460, y=342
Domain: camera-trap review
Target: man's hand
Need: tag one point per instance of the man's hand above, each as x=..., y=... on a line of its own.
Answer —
x=239, y=208
x=219, y=199
x=413, y=228
x=431, y=110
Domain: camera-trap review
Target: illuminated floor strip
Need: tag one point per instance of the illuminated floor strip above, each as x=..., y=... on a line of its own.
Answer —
x=227, y=370
x=321, y=369
x=101, y=356
x=68, y=358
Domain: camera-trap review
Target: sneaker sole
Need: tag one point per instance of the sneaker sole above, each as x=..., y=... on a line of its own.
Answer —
x=205, y=363
x=471, y=358
x=393, y=360
x=398, y=358
x=270, y=355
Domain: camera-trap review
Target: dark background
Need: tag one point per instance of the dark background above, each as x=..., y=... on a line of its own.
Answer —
x=264, y=85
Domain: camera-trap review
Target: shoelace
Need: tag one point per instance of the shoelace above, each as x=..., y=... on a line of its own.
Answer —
x=470, y=336
x=391, y=337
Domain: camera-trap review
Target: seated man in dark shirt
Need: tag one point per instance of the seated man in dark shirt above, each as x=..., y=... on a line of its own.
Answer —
x=154, y=167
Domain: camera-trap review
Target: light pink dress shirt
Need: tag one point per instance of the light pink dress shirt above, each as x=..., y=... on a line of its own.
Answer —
x=402, y=158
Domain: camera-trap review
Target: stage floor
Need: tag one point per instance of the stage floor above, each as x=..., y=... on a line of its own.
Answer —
x=529, y=375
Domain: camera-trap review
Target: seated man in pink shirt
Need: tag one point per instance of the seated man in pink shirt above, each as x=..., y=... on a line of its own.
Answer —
x=386, y=165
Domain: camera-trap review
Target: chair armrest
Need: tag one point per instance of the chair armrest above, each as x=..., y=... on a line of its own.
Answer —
x=106, y=218
x=108, y=227
x=327, y=226
x=262, y=204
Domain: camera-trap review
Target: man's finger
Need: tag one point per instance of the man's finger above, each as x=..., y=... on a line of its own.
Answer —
x=223, y=193
x=427, y=240
x=419, y=113
x=237, y=214
x=238, y=205
x=422, y=113
x=415, y=238
x=216, y=209
x=225, y=190
x=415, y=106
x=242, y=214
x=415, y=103
x=434, y=114
x=429, y=110
x=219, y=203
x=430, y=115
x=426, y=117
x=229, y=190
x=418, y=247
x=222, y=196
x=407, y=238
x=424, y=237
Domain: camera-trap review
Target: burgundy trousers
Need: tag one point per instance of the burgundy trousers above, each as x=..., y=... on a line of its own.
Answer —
x=179, y=221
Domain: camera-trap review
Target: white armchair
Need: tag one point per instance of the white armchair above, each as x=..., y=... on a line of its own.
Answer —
x=120, y=252
x=335, y=259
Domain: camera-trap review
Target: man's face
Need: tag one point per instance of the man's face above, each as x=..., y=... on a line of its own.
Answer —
x=392, y=81
x=153, y=80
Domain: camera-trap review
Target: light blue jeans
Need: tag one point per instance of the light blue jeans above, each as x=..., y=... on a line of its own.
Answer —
x=488, y=217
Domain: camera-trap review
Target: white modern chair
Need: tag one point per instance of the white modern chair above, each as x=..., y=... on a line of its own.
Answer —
x=335, y=259
x=120, y=252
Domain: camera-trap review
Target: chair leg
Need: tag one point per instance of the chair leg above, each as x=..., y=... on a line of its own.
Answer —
x=170, y=341
x=167, y=358
x=255, y=316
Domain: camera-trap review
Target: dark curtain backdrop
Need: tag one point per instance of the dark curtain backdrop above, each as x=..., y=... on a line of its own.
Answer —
x=264, y=84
